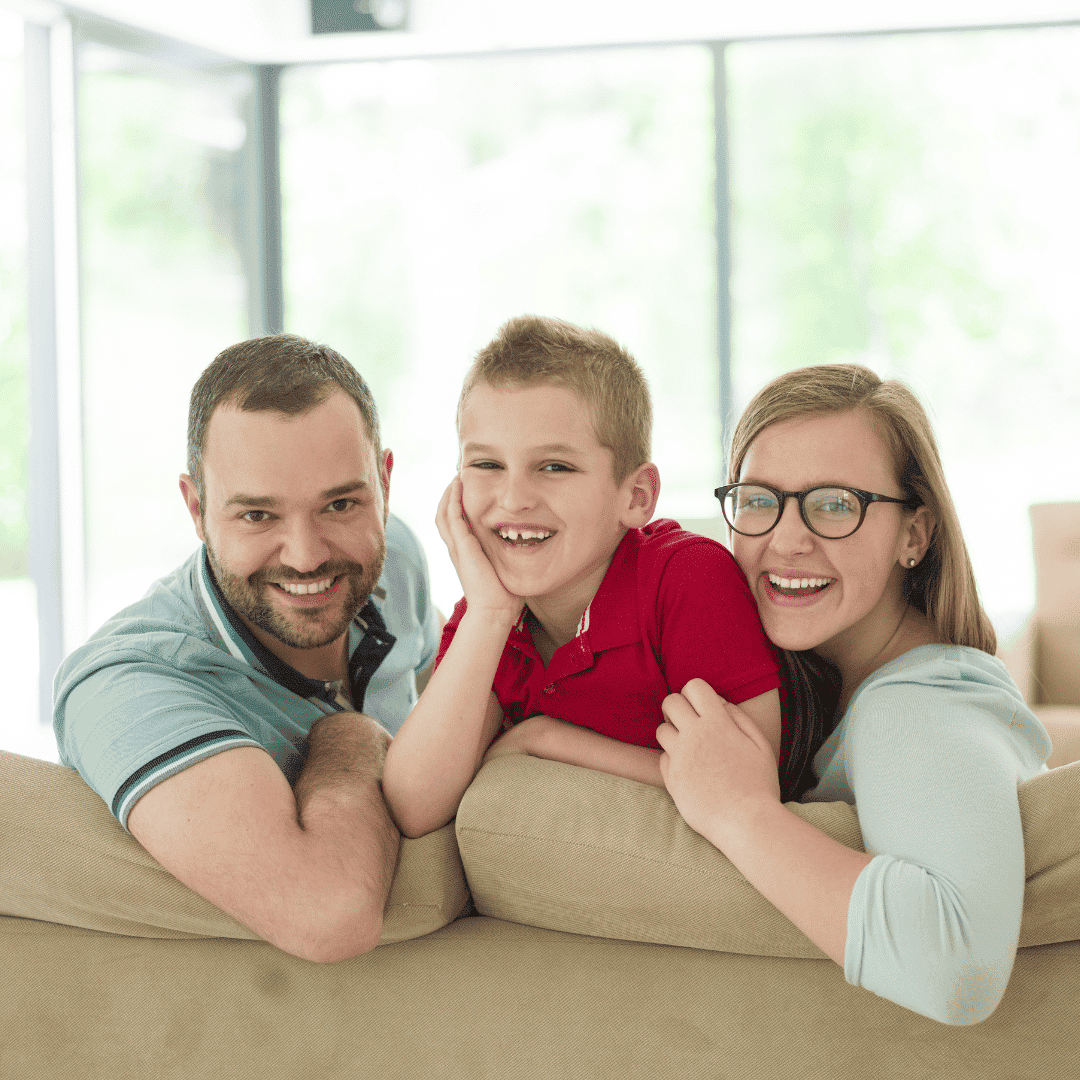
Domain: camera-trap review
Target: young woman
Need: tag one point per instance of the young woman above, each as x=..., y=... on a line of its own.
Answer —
x=843, y=524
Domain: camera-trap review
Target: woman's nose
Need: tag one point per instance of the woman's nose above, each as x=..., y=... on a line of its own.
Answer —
x=790, y=535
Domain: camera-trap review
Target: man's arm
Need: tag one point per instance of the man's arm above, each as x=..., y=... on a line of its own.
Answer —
x=308, y=872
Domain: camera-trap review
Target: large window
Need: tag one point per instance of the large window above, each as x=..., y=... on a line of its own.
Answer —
x=906, y=201
x=911, y=203
x=19, y=729
x=163, y=293
x=428, y=202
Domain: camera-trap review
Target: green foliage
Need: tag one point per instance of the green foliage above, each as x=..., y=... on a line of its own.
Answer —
x=841, y=212
x=427, y=202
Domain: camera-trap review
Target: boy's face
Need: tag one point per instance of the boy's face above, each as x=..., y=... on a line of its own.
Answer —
x=539, y=492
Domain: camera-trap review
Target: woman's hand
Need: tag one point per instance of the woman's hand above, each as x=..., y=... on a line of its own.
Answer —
x=481, y=585
x=716, y=765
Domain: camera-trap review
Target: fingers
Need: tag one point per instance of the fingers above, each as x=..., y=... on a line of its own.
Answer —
x=450, y=518
x=701, y=695
x=442, y=520
x=677, y=710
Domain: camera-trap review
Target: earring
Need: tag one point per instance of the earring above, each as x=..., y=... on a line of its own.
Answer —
x=911, y=563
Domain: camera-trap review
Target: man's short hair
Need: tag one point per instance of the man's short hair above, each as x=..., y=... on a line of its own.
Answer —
x=283, y=373
x=532, y=350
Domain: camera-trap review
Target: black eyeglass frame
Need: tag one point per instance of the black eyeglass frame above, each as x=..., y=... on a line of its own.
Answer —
x=912, y=502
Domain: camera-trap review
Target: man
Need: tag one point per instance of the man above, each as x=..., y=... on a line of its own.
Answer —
x=220, y=716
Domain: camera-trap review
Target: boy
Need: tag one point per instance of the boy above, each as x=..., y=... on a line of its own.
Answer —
x=579, y=617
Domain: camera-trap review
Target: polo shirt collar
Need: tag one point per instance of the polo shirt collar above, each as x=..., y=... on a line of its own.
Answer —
x=374, y=645
x=612, y=617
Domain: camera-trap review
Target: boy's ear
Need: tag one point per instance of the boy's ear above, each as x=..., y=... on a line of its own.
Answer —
x=642, y=488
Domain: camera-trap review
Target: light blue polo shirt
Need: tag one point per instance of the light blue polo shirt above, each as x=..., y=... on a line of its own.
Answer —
x=177, y=677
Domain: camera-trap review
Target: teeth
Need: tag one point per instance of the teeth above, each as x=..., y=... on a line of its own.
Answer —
x=798, y=583
x=302, y=588
x=514, y=535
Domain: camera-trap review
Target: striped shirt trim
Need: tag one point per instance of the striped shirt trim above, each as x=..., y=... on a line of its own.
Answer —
x=210, y=601
x=172, y=762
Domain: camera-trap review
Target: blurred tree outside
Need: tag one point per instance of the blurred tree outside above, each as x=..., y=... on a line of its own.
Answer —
x=910, y=203
x=163, y=293
x=427, y=202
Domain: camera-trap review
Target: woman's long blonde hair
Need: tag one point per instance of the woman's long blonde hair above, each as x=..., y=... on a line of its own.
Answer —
x=942, y=586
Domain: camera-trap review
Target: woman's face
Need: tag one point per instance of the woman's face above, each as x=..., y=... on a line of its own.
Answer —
x=853, y=601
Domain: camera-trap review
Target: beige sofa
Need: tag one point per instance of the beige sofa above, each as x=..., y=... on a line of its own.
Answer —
x=611, y=941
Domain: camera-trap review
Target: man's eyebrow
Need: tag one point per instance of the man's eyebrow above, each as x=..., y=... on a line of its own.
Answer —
x=344, y=489
x=269, y=502
x=263, y=502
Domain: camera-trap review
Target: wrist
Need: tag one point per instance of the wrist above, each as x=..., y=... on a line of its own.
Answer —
x=496, y=621
x=739, y=826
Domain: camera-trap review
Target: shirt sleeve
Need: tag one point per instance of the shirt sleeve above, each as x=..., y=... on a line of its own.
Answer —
x=709, y=625
x=934, y=918
x=450, y=629
x=419, y=585
x=129, y=726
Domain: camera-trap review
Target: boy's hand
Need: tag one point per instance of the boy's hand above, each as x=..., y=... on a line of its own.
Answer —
x=481, y=585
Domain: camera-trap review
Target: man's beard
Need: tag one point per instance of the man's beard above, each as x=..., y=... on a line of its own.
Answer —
x=302, y=628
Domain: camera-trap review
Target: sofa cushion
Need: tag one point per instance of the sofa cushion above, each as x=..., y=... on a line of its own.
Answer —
x=65, y=859
x=556, y=846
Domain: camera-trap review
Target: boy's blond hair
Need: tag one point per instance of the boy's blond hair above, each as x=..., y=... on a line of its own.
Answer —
x=532, y=350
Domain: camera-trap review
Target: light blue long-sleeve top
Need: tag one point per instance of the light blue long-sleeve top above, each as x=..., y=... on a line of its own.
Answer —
x=931, y=749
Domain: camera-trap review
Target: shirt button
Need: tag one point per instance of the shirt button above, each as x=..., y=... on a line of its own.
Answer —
x=550, y=688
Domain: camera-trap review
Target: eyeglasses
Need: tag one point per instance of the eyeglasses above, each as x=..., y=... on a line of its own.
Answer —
x=830, y=512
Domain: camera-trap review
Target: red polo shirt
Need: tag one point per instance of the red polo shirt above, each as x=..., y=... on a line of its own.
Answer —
x=673, y=606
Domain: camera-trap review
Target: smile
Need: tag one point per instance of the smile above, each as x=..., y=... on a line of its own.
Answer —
x=523, y=536
x=305, y=588
x=798, y=587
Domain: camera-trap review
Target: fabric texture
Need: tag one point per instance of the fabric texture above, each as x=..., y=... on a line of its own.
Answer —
x=932, y=747
x=672, y=606
x=65, y=859
x=552, y=845
x=177, y=677
x=483, y=999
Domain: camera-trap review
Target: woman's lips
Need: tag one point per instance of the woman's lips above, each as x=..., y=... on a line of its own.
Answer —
x=794, y=595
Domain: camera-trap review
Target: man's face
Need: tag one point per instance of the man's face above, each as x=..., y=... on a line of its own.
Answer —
x=293, y=518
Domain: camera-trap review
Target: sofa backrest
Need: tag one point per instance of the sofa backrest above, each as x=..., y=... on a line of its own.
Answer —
x=1055, y=534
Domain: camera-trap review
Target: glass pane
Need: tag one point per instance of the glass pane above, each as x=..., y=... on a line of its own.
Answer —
x=428, y=202
x=910, y=203
x=19, y=727
x=163, y=293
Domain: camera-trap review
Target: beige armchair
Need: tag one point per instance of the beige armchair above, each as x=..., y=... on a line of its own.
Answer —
x=1044, y=656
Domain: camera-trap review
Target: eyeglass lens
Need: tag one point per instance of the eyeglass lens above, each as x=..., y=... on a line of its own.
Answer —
x=830, y=511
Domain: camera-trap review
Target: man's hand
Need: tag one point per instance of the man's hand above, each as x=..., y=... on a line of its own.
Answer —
x=310, y=873
x=481, y=585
